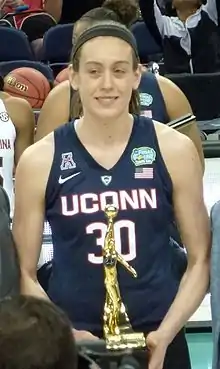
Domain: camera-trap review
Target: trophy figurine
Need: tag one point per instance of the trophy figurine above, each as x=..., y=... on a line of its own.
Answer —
x=118, y=331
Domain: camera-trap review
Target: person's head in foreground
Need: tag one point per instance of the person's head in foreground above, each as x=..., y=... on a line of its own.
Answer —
x=35, y=334
x=105, y=71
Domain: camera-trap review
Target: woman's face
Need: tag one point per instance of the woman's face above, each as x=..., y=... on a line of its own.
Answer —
x=106, y=77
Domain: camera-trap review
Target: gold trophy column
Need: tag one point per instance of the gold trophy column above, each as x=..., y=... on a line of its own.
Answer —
x=118, y=331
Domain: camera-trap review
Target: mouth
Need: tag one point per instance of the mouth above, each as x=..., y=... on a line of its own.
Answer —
x=106, y=100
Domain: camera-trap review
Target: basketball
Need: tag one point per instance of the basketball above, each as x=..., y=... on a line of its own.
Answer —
x=62, y=76
x=29, y=84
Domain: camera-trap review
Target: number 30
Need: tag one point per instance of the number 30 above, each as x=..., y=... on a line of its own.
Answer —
x=118, y=226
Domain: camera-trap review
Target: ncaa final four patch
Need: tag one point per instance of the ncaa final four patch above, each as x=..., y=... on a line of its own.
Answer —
x=143, y=155
x=145, y=99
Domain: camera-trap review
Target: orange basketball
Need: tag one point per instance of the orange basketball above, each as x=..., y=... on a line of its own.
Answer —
x=62, y=76
x=29, y=84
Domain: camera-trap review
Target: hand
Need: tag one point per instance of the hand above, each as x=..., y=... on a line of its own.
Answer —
x=84, y=335
x=157, y=347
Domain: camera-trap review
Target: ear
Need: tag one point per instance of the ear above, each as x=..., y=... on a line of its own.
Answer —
x=137, y=77
x=73, y=78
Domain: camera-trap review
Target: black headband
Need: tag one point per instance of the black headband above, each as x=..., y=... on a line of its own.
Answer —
x=110, y=29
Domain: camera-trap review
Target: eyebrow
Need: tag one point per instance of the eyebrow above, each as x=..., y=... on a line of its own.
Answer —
x=116, y=62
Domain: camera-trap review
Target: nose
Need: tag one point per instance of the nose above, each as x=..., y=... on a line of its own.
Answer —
x=107, y=82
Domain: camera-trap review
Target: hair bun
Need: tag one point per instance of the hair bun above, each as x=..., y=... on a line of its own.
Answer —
x=126, y=10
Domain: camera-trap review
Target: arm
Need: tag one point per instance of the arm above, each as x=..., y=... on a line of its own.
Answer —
x=158, y=24
x=23, y=118
x=30, y=184
x=29, y=216
x=55, y=110
x=54, y=8
x=193, y=223
x=178, y=108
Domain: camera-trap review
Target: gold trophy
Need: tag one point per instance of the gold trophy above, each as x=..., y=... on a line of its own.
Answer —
x=118, y=331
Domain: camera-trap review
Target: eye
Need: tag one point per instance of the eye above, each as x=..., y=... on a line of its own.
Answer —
x=119, y=72
x=93, y=71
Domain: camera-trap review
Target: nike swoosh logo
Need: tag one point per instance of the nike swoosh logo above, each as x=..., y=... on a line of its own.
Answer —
x=63, y=180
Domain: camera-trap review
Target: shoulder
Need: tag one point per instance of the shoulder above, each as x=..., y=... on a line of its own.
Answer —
x=12, y=102
x=4, y=95
x=167, y=86
x=59, y=95
x=178, y=106
x=19, y=110
x=60, y=91
x=167, y=135
x=55, y=110
x=178, y=150
x=38, y=157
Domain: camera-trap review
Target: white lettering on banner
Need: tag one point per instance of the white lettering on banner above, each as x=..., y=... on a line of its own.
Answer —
x=90, y=203
x=5, y=144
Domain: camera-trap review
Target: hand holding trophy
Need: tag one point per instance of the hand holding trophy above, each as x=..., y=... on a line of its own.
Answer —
x=118, y=331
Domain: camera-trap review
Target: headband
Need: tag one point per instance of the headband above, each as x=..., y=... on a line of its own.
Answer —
x=111, y=29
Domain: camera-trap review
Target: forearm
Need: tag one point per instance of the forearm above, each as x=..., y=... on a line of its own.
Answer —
x=31, y=287
x=193, y=287
x=147, y=8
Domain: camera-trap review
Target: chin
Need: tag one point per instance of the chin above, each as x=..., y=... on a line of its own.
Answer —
x=112, y=112
x=106, y=114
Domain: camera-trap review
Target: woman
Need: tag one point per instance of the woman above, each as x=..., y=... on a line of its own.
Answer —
x=191, y=39
x=156, y=92
x=16, y=134
x=144, y=168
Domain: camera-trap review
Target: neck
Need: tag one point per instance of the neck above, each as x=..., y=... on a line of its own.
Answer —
x=104, y=133
x=184, y=14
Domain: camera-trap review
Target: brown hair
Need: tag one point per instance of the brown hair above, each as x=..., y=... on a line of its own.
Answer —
x=35, y=334
x=76, y=105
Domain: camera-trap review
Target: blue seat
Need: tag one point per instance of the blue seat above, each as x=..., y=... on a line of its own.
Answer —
x=7, y=67
x=14, y=45
x=148, y=49
x=57, y=44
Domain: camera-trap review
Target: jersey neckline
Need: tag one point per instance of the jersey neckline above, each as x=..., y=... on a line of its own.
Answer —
x=89, y=159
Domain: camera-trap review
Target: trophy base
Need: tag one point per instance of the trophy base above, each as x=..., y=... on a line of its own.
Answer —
x=125, y=341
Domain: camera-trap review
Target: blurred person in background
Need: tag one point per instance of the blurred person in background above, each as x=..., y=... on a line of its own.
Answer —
x=190, y=41
x=16, y=134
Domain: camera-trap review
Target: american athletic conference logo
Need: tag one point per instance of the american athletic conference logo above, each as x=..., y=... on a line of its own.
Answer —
x=4, y=117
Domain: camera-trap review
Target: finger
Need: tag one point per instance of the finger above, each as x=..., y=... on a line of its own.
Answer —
x=95, y=338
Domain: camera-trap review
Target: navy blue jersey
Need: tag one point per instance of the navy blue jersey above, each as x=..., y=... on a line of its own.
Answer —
x=78, y=190
x=151, y=98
